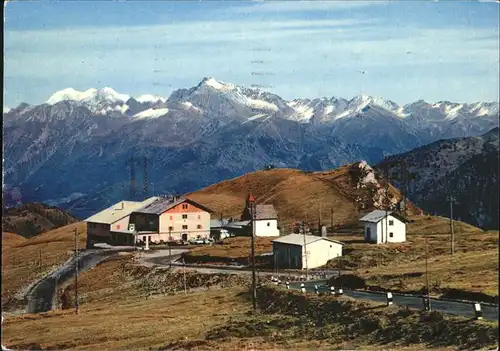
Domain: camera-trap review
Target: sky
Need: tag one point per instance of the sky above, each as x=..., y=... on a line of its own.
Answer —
x=402, y=51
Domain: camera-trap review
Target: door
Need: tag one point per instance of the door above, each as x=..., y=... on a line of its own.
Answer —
x=184, y=237
x=368, y=234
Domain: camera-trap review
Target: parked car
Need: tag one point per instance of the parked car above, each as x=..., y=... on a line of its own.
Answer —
x=201, y=241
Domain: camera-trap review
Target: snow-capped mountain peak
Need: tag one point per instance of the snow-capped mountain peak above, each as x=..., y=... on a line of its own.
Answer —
x=150, y=98
x=71, y=94
x=112, y=95
x=216, y=98
x=99, y=101
x=361, y=101
x=218, y=85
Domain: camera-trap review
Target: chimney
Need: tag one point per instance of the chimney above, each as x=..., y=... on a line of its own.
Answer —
x=323, y=231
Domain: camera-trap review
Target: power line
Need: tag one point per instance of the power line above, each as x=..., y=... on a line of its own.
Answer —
x=254, y=288
x=428, y=300
x=452, y=231
x=305, y=247
x=131, y=162
x=386, y=202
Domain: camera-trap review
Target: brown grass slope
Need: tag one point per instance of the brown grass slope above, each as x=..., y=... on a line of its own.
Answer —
x=31, y=259
x=471, y=273
x=11, y=239
x=115, y=314
x=297, y=195
x=34, y=218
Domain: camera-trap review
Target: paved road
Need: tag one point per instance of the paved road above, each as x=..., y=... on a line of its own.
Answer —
x=161, y=258
x=41, y=297
x=490, y=312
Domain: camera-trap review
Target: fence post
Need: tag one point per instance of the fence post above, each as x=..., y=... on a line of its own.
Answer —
x=288, y=285
x=332, y=290
x=316, y=290
x=478, y=313
x=389, y=298
x=426, y=301
x=302, y=287
x=340, y=291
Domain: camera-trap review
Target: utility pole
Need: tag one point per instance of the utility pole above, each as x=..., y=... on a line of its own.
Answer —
x=169, y=248
x=76, y=270
x=331, y=218
x=131, y=163
x=277, y=262
x=251, y=201
x=305, y=248
x=427, y=272
x=386, y=201
x=405, y=187
x=184, y=273
x=452, y=232
x=319, y=219
x=57, y=293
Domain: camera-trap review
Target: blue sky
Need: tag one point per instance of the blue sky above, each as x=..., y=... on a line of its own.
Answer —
x=409, y=50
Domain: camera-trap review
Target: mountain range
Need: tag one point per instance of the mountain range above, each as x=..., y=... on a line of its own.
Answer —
x=75, y=150
x=32, y=219
x=463, y=171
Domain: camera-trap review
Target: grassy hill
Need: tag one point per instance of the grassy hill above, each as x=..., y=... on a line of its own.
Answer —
x=299, y=195
x=136, y=308
x=401, y=267
x=27, y=260
x=32, y=219
x=11, y=239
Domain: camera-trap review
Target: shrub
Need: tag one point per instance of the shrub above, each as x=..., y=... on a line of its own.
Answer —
x=350, y=281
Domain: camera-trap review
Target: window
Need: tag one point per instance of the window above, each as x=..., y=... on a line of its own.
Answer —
x=391, y=222
x=184, y=227
x=184, y=206
x=117, y=226
x=171, y=217
x=391, y=235
x=268, y=224
x=198, y=226
x=144, y=238
x=199, y=217
x=170, y=228
x=184, y=216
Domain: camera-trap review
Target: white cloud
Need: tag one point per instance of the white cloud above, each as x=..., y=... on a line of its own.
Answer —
x=301, y=6
x=306, y=57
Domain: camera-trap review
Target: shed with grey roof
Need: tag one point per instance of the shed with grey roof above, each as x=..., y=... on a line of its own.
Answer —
x=297, y=251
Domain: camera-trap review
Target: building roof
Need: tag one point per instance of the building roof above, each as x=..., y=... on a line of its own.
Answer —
x=377, y=215
x=298, y=239
x=217, y=223
x=163, y=204
x=238, y=224
x=265, y=212
x=118, y=211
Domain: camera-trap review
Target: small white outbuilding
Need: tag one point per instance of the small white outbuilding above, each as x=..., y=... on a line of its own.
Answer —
x=383, y=227
x=297, y=251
